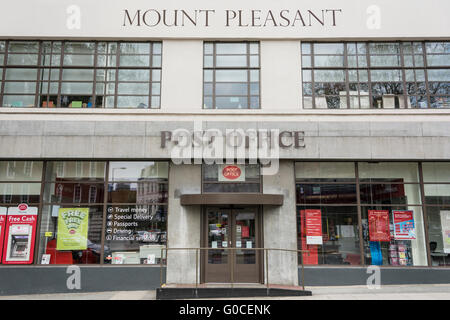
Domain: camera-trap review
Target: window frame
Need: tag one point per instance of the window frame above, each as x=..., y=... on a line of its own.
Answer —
x=404, y=101
x=215, y=68
x=42, y=96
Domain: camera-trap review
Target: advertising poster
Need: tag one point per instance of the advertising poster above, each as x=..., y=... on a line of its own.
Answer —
x=310, y=257
x=231, y=173
x=72, y=229
x=313, y=224
x=245, y=232
x=379, y=225
x=404, y=228
x=445, y=224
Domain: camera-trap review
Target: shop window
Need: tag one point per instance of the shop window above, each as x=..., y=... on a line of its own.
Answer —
x=72, y=216
x=439, y=234
x=330, y=234
x=20, y=192
x=231, y=75
x=66, y=171
x=388, y=198
x=136, y=221
x=393, y=235
x=327, y=215
x=20, y=171
x=71, y=234
x=436, y=176
x=390, y=195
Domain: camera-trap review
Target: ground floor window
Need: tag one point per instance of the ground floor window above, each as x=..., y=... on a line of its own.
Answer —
x=83, y=212
x=373, y=213
x=330, y=234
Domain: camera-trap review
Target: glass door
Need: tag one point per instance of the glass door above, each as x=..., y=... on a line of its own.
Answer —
x=218, y=261
x=235, y=228
x=245, y=238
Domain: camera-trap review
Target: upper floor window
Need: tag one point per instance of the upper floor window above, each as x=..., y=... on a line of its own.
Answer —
x=231, y=75
x=68, y=74
x=388, y=75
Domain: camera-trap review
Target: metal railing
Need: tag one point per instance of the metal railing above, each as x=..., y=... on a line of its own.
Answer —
x=198, y=255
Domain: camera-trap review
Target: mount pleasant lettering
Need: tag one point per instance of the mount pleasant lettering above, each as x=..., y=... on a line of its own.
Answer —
x=231, y=18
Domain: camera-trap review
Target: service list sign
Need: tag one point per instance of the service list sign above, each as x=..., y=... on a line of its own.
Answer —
x=313, y=224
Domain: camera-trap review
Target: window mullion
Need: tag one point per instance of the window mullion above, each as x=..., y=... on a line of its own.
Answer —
x=2, y=85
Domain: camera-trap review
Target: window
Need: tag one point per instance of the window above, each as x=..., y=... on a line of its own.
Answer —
x=72, y=213
x=19, y=184
x=336, y=195
x=388, y=75
x=231, y=178
x=391, y=190
x=436, y=177
x=72, y=197
x=326, y=193
x=231, y=75
x=136, y=221
x=69, y=74
x=28, y=168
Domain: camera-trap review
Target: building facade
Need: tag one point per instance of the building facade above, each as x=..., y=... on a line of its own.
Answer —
x=227, y=142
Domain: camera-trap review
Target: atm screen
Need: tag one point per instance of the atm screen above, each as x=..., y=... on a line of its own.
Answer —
x=19, y=246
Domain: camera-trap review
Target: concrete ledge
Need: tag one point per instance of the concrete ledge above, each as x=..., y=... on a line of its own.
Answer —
x=53, y=279
x=200, y=293
x=20, y=280
x=351, y=276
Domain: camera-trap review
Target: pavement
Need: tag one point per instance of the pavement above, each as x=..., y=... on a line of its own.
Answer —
x=391, y=292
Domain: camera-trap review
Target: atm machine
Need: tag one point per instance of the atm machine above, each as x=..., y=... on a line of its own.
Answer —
x=3, y=212
x=20, y=232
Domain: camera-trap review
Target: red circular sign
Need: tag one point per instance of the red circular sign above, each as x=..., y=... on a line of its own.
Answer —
x=231, y=172
x=23, y=207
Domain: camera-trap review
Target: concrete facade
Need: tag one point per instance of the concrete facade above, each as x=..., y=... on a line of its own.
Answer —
x=280, y=227
x=135, y=134
x=183, y=225
x=382, y=137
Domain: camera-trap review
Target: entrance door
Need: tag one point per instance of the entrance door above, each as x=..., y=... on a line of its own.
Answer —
x=231, y=228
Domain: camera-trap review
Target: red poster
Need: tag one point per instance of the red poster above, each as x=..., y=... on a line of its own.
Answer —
x=245, y=233
x=310, y=257
x=313, y=224
x=379, y=225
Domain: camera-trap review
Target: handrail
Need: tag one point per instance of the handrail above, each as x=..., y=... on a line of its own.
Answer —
x=199, y=249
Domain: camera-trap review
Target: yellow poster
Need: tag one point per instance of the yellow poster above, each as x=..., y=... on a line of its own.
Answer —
x=72, y=229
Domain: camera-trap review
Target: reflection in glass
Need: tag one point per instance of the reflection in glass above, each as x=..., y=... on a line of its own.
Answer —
x=89, y=249
x=340, y=236
x=218, y=237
